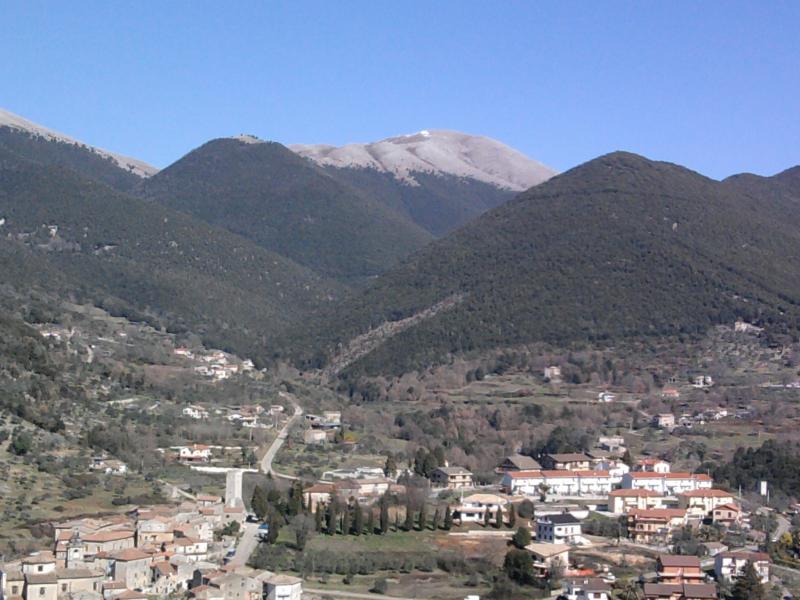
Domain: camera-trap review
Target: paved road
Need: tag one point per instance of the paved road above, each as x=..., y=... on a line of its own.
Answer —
x=269, y=455
x=247, y=544
x=784, y=525
x=315, y=593
x=175, y=490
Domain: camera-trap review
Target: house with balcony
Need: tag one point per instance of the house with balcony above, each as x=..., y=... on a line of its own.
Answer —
x=452, y=478
x=674, y=568
x=654, y=525
x=622, y=501
x=558, y=529
x=701, y=503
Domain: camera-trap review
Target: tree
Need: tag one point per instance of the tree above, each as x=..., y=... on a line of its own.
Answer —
x=303, y=527
x=21, y=443
x=331, y=518
x=347, y=520
x=384, y=518
x=487, y=517
x=518, y=565
x=295, y=498
x=259, y=502
x=448, y=518
x=318, y=518
x=390, y=466
x=422, y=522
x=437, y=518
x=231, y=528
x=748, y=586
x=512, y=517
x=380, y=586
x=527, y=510
x=521, y=538
x=358, y=519
x=498, y=517
x=409, y=524
x=275, y=521
x=370, y=521
x=627, y=458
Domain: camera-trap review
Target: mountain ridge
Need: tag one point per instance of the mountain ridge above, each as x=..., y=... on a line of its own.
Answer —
x=127, y=163
x=438, y=151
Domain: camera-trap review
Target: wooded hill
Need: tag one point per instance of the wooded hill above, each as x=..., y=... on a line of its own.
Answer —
x=76, y=157
x=284, y=203
x=619, y=246
x=79, y=238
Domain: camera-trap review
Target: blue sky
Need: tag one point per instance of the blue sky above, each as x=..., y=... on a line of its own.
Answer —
x=711, y=85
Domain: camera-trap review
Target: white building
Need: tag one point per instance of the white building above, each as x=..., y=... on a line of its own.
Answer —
x=558, y=529
x=195, y=412
x=606, y=397
x=621, y=501
x=194, y=453
x=473, y=508
x=701, y=503
x=585, y=588
x=652, y=465
x=730, y=565
x=283, y=587
x=668, y=484
x=552, y=373
x=558, y=483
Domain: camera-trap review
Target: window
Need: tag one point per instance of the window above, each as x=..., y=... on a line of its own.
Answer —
x=41, y=591
x=14, y=590
x=63, y=587
x=40, y=568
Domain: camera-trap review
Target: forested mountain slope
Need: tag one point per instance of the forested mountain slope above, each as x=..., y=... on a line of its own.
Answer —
x=268, y=194
x=80, y=238
x=619, y=246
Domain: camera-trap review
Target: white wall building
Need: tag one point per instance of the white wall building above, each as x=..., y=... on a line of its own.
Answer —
x=558, y=529
x=558, y=483
x=668, y=484
x=283, y=587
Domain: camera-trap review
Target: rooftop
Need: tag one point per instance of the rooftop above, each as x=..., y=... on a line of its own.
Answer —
x=677, y=560
x=564, y=519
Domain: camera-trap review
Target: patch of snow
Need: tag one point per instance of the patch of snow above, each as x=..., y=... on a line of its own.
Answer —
x=436, y=151
x=133, y=165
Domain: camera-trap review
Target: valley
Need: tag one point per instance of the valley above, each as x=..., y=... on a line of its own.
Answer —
x=424, y=367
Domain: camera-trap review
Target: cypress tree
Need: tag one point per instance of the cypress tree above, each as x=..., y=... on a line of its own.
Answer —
x=370, y=521
x=346, y=520
x=498, y=518
x=437, y=517
x=331, y=519
x=487, y=517
x=358, y=520
x=512, y=517
x=448, y=519
x=409, y=524
x=422, y=523
x=384, y=520
x=318, y=519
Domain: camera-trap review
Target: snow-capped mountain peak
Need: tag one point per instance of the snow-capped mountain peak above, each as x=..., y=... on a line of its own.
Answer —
x=436, y=151
x=135, y=166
